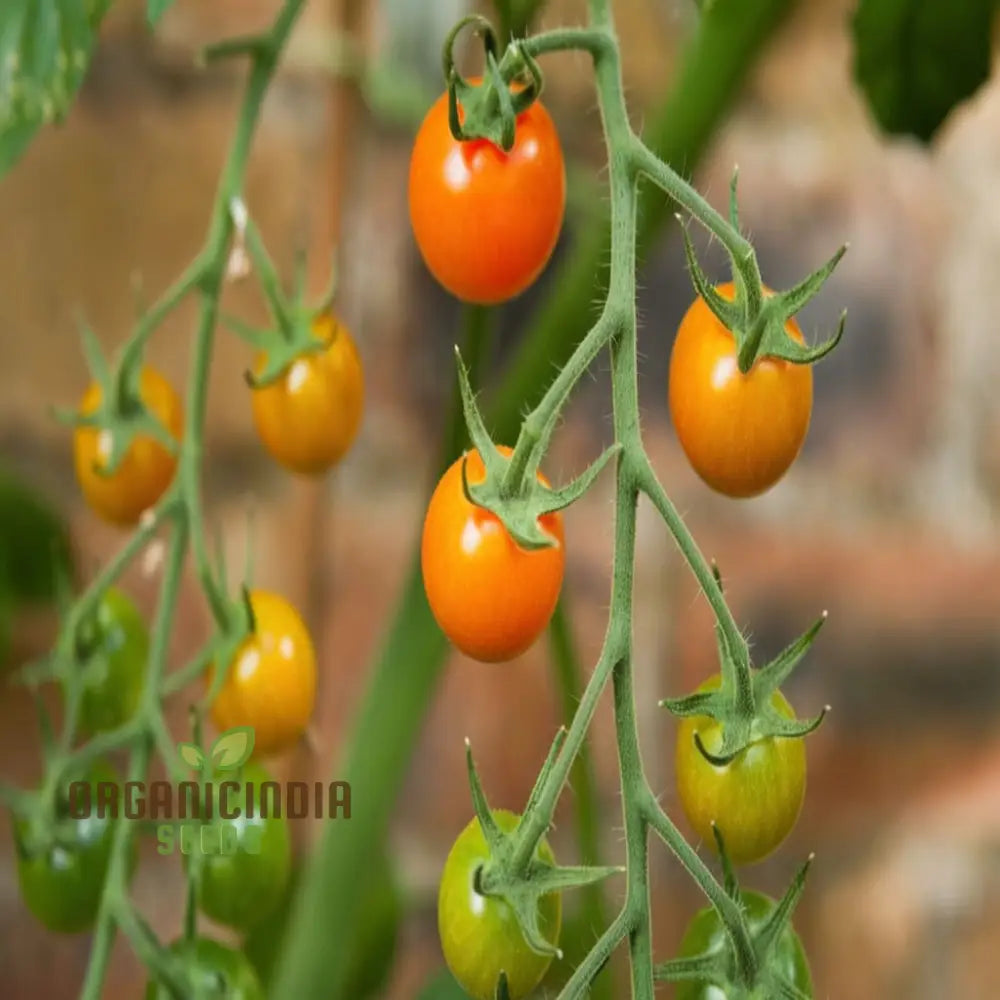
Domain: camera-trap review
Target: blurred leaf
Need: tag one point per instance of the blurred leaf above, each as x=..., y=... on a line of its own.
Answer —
x=45, y=48
x=155, y=9
x=916, y=59
x=372, y=947
x=34, y=545
x=442, y=987
x=6, y=615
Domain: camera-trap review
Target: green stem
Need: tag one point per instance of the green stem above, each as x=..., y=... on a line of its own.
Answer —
x=566, y=663
x=578, y=985
x=731, y=913
x=651, y=486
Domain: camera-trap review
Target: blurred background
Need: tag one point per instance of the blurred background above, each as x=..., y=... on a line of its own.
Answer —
x=888, y=520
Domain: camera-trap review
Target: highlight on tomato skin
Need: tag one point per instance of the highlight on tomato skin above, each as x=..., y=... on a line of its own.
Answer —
x=480, y=935
x=740, y=432
x=147, y=468
x=486, y=221
x=492, y=598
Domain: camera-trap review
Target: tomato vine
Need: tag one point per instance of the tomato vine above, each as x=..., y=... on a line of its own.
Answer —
x=508, y=489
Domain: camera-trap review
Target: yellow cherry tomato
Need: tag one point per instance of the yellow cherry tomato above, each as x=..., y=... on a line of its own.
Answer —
x=147, y=467
x=308, y=418
x=271, y=683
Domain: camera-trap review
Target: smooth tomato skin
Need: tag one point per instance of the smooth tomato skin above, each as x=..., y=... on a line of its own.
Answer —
x=117, y=634
x=308, y=418
x=243, y=887
x=706, y=933
x=62, y=886
x=147, y=468
x=486, y=221
x=491, y=597
x=480, y=935
x=222, y=973
x=271, y=683
x=741, y=433
x=755, y=799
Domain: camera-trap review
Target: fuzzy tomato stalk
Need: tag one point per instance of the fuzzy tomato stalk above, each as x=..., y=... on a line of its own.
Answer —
x=486, y=221
x=491, y=597
x=740, y=432
x=147, y=467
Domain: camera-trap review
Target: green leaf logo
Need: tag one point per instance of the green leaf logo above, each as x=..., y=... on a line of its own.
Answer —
x=191, y=755
x=233, y=748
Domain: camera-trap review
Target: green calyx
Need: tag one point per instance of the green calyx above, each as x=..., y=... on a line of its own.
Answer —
x=292, y=334
x=761, y=973
x=742, y=704
x=756, y=316
x=121, y=412
x=523, y=884
x=512, y=489
x=489, y=109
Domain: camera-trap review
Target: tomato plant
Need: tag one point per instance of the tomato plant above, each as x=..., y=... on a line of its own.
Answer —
x=244, y=881
x=308, y=418
x=147, y=467
x=706, y=934
x=755, y=799
x=486, y=221
x=486, y=211
x=740, y=432
x=271, y=683
x=491, y=597
x=62, y=882
x=113, y=648
x=479, y=934
x=217, y=972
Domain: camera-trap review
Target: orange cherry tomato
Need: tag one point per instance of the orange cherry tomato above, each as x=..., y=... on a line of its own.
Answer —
x=491, y=597
x=147, y=468
x=271, y=683
x=486, y=221
x=740, y=432
x=308, y=418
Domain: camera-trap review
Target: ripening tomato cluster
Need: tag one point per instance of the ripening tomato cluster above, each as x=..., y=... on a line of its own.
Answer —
x=486, y=222
x=306, y=419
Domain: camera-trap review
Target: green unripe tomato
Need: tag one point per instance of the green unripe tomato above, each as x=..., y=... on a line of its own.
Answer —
x=480, y=935
x=62, y=883
x=221, y=973
x=706, y=933
x=113, y=647
x=244, y=880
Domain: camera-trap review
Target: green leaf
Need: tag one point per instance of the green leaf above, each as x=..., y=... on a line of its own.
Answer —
x=45, y=48
x=442, y=987
x=916, y=59
x=233, y=748
x=191, y=755
x=34, y=544
x=155, y=9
